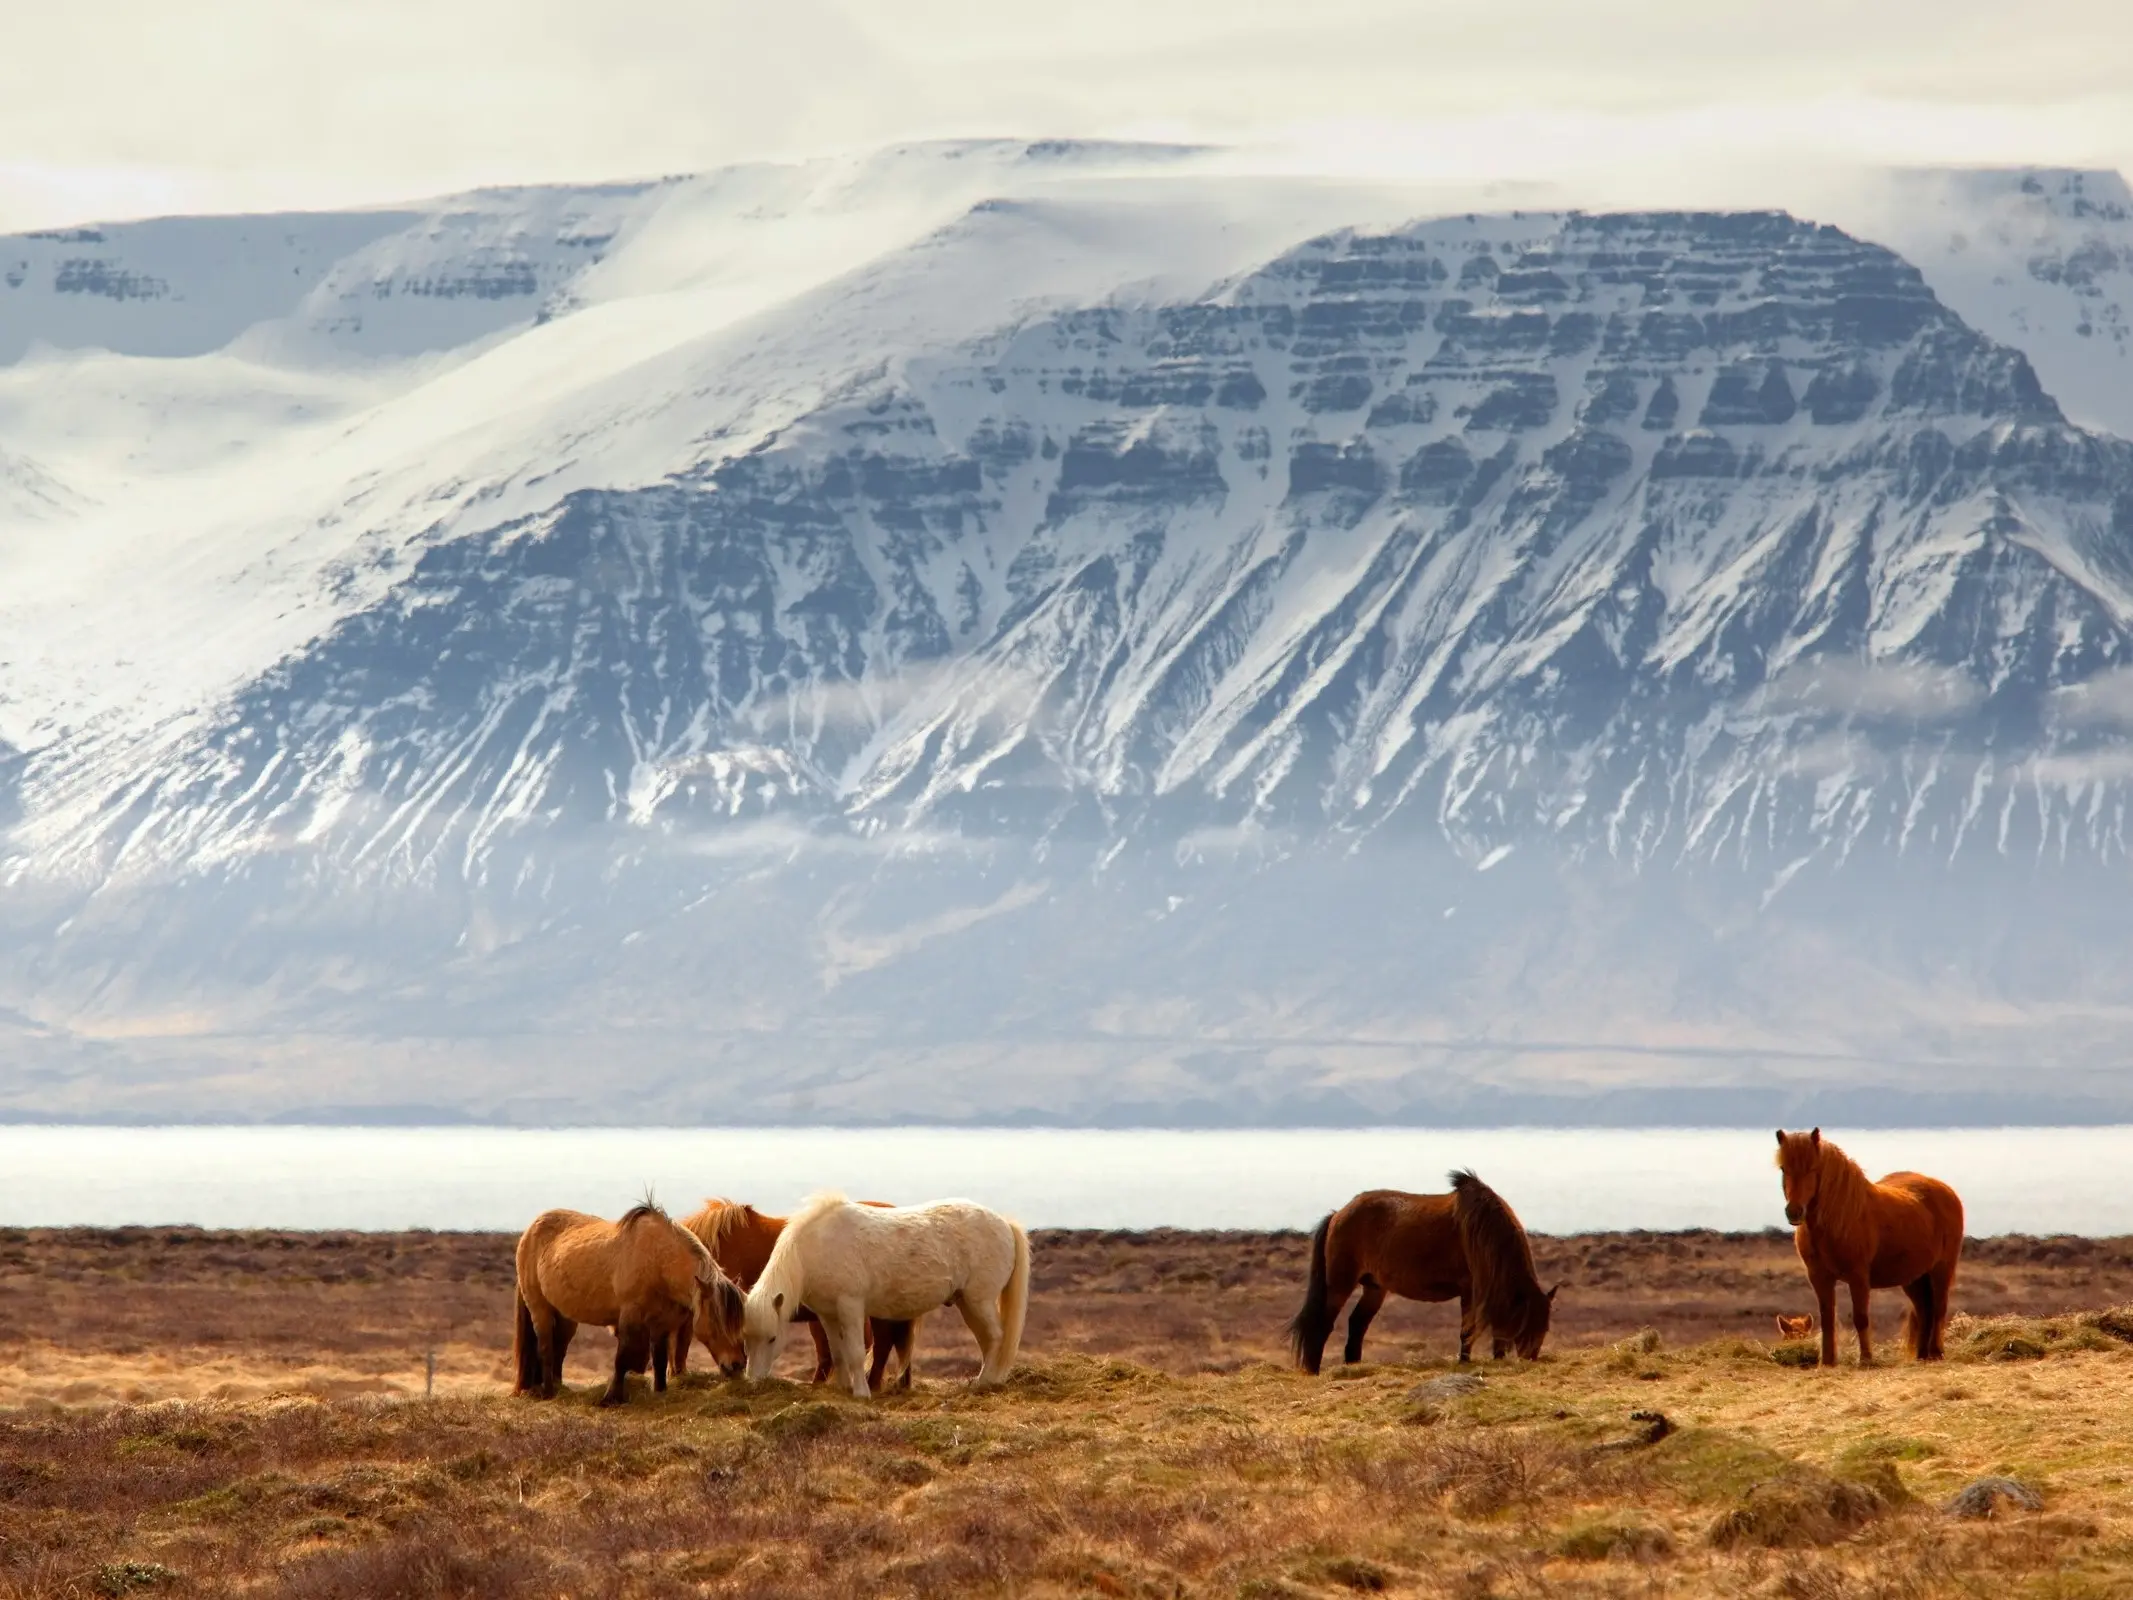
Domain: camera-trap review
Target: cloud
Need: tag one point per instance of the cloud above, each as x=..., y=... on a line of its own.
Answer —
x=783, y=839
x=2105, y=701
x=1223, y=843
x=1876, y=690
x=125, y=104
x=1834, y=755
x=2078, y=769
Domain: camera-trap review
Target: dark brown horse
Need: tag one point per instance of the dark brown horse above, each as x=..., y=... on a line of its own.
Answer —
x=1904, y=1232
x=1465, y=1246
x=740, y=1239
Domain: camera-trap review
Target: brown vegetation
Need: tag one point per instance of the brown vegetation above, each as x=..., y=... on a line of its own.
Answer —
x=1151, y=1445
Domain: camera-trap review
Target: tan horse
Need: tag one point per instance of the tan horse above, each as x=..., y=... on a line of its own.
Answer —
x=1466, y=1246
x=1904, y=1232
x=644, y=1276
x=740, y=1239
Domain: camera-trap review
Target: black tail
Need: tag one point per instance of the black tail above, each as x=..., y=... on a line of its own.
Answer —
x=1313, y=1325
x=527, y=1347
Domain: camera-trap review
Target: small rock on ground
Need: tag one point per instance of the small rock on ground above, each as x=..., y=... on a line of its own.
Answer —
x=1983, y=1498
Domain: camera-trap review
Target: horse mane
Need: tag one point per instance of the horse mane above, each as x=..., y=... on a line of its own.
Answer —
x=1499, y=1258
x=716, y=1218
x=1843, y=1193
x=812, y=1208
x=782, y=1273
x=647, y=1207
x=729, y=1302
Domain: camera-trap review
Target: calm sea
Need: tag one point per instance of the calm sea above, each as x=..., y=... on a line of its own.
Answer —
x=2027, y=1180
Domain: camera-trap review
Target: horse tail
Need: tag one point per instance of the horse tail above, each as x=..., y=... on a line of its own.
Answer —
x=1499, y=1260
x=1014, y=1303
x=1310, y=1326
x=526, y=1348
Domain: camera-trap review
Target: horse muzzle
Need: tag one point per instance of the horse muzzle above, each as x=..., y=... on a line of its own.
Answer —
x=1794, y=1215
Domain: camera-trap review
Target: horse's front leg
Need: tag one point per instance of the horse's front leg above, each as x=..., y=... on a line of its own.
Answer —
x=1825, y=1288
x=631, y=1352
x=1862, y=1294
x=844, y=1326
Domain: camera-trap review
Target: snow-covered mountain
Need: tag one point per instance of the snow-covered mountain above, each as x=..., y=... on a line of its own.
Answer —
x=1070, y=632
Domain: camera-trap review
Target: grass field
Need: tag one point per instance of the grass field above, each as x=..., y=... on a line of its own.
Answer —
x=1637, y=1464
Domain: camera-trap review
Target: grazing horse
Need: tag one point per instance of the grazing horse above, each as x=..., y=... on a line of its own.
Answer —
x=740, y=1239
x=851, y=1262
x=1904, y=1232
x=644, y=1276
x=1466, y=1246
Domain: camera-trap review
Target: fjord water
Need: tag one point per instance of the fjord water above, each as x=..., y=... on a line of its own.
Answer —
x=2013, y=1180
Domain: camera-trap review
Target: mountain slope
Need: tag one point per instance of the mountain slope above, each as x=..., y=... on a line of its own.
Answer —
x=1655, y=665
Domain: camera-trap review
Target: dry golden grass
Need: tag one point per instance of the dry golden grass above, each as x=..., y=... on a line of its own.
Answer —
x=1094, y=1476
x=1152, y=1444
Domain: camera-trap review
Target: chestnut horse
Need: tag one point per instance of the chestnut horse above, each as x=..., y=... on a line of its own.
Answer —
x=644, y=1276
x=1904, y=1232
x=1465, y=1246
x=740, y=1239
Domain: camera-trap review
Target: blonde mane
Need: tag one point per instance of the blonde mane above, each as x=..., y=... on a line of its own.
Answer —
x=783, y=1274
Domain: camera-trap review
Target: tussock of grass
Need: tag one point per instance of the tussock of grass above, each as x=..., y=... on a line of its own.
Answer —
x=2033, y=1338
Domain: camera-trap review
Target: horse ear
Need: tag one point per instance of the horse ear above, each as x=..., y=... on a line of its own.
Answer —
x=1815, y=1138
x=1781, y=1138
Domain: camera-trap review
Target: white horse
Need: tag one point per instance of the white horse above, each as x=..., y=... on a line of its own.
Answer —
x=849, y=1262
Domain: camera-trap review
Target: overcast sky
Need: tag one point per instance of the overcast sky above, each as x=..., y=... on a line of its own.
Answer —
x=111, y=107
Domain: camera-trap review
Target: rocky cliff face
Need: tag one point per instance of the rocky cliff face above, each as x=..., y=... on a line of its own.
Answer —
x=1638, y=665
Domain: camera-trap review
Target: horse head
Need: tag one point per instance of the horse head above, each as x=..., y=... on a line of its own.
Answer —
x=720, y=1306
x=1799, y=1160
x=764, y=1318
x=1533, y=1325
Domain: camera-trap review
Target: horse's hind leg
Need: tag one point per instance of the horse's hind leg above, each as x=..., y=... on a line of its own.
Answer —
x=660, y=1346
x=1943, y=1286
x=982, y=1316
x=555, y=1345
x=1468, y=1327
x=906, y=1341
x=1359, y=1320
